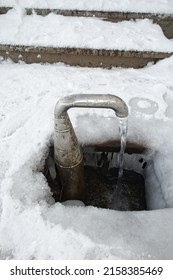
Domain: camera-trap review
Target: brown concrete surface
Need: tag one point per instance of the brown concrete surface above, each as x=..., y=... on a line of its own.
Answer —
x=80, y=57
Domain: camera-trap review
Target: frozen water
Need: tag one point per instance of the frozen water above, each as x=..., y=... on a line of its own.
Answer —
x=168, y=98
x=31, y=225
x=143, y=105
x=73, y=203
x=123, y=126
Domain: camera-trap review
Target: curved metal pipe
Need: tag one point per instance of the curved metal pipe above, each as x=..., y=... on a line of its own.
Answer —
x=67, y=151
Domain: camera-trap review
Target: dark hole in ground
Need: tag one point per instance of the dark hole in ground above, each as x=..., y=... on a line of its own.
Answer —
x=103, y=188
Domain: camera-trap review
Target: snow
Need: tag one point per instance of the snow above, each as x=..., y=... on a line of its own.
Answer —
x=59, y=31
x=154, y=6
x=32, y=226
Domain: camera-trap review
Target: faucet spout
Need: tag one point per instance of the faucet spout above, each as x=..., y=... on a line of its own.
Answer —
x=93, y=101
x=67, y=151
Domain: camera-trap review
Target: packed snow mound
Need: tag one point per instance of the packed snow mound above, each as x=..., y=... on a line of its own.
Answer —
x=154, y=6
x=32, y=226
x=93, y=33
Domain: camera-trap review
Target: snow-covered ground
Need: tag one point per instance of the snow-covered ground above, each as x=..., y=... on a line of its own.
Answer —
x=154, y=6
x=31, y=225
x=59, y=31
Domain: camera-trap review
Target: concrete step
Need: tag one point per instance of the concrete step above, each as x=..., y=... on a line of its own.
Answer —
x=81, y=57
x=164, y=20
x=20, y=42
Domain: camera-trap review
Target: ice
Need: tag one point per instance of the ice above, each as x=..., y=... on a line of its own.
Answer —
x=32, y=226
x=143, y=105
x=73, y=203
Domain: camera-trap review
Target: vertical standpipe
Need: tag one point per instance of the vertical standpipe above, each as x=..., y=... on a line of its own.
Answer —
x=67, y=151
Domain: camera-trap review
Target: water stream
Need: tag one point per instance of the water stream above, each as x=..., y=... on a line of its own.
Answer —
x=123, y=136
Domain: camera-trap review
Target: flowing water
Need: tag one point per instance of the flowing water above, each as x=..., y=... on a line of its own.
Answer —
x=123, y=135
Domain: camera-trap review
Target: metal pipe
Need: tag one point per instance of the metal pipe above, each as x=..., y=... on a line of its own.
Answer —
x=67, y=151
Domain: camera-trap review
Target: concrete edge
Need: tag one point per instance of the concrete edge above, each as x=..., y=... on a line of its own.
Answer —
x=81, y=57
